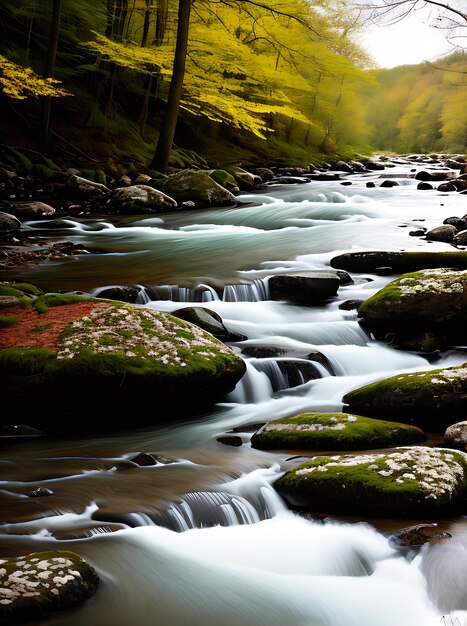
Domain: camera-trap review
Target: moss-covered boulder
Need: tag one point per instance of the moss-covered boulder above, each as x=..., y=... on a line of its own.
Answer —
x=104, y=365
x=333, y=431
x=80, y=189
x=408, y=482
x=35, y=584
x=433, y=301
x=223, y=178
x=369, y=261
x=247, y=181
x=139, y=199
x=197, y=187
x=431, y=399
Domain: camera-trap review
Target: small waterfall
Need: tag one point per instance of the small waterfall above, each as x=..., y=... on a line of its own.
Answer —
x=256, y=291
x=204, y=509
x=175, y=293
x=254, y=387
x=287, y=373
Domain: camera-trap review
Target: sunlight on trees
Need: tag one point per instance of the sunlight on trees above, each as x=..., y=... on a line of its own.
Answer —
x=20, y=82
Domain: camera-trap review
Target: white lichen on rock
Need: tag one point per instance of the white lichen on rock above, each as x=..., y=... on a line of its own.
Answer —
x=435, y=281
x=134, y=331
x=436, y=470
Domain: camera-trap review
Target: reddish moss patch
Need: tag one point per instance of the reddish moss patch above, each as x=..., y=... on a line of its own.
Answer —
x=41, y=330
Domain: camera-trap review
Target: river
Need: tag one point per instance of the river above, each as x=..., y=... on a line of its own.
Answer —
x=201, y=538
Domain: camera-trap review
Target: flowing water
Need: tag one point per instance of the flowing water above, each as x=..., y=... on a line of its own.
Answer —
x=201, y=538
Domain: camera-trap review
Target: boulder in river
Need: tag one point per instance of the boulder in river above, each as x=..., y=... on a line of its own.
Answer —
x=368, y=261
x=95, y=365
x=431, y=399
x=304, y=288
x=197, y=187
x=35, y=584
x=433, y=301
x=405, y=483
x=333, y=431
x=139, y=199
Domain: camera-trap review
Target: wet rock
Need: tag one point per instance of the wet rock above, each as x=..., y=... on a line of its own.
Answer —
x=230, y=440
x=8, y=222
x=41, y=492
x=333, y=431
x=456, y=436
x=304, y=288
x=261, y=352
x=33, y=585
x=432, y=399
x=445, y=233
x=209, y=321
x=418, y=535
x=139, y=199
x=350, y=305
x=32, y=210
x=400, y=261
x=123, y=294
x=389, y=183
x=143, y=459
x=197, y=187
x=78, y=188
x=405, y=483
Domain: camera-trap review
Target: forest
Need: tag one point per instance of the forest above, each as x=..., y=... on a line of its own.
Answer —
x=161, y=83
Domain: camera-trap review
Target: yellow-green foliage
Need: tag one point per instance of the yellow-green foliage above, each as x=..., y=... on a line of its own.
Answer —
x=20, y=82
x=149, y=60
x=420, y=108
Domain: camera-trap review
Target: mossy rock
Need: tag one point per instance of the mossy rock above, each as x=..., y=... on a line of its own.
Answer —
x=431, y=399
x=17, y=160
x=333, y=431
x=17, y=294
x=369, y=261
x=197, y=187
x=222, y=177
x=433, y=301
x=120, y=355
x=408, y=482
x=33, y=585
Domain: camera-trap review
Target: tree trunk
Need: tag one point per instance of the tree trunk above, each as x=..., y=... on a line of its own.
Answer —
x=110, y=18
x=143, y=116
x=161, y=157
x=161, y=21
x=147, y=13
x=50, y=63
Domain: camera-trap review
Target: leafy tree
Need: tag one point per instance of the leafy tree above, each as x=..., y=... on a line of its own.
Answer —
x=21, y=82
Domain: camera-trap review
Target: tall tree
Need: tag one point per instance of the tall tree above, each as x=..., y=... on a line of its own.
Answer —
x=50, y=64
x=160, y=161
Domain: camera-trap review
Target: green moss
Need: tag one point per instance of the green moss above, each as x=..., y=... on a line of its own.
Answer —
x=339, y=431
x=224, y=178
x=40, y=327
x=410, y=387
x=24, y=361
x=8, y=320
x=27, y=288
x=58, y=299
x=13, y=297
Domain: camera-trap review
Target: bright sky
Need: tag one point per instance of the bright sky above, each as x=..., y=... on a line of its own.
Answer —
x=411, y=40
